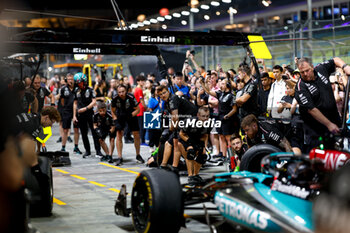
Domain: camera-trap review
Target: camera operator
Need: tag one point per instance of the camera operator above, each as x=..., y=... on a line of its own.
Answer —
x=191, y=145
x=263, y=132
x=316, y=100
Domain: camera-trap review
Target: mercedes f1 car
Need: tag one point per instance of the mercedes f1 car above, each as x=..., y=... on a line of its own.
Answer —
x=279, y=199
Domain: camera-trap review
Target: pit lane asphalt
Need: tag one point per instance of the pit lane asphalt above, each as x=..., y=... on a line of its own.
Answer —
x=85, y=192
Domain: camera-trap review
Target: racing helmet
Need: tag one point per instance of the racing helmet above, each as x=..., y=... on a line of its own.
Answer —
x=80, y=79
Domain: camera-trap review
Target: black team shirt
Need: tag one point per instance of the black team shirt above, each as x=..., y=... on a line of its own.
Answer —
x=125, y=107
x=318, y=94
x=84, y=98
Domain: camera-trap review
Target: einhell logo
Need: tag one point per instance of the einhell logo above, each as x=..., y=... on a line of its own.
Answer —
x=86, y=50
x=158, y=39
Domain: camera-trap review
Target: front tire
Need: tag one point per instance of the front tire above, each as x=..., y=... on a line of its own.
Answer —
x=156, y=202
x=251, y=160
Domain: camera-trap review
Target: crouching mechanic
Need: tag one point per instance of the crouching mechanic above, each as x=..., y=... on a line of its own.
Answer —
x=32, y=124
x=191, y=144
x=264, y=132
x=104, y=126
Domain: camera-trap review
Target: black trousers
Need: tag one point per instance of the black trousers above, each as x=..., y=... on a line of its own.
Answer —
x=154, y=136
x=85, y=122
x=142, y=130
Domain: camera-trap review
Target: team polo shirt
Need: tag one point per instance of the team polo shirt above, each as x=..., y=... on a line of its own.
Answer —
x=124, y=107
x=318, y=94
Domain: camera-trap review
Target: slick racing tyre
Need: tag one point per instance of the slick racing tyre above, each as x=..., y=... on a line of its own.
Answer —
x=156, y=202
x=251, y=159
x=40, y=185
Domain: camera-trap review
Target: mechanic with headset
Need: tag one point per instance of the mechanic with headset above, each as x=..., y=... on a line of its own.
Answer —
x=84, y=101
x=67, y=99
x=192, y=144
x=227, y=112
x=124, y=111
x=264, y=132
x=104, y=126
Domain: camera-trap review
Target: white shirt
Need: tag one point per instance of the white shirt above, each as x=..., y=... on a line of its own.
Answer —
x=277, y=91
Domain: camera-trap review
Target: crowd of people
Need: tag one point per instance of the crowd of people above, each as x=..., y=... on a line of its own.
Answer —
x=283, y=106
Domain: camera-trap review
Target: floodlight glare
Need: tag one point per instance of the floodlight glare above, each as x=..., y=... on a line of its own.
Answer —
x=205, y=7
x=215, y=3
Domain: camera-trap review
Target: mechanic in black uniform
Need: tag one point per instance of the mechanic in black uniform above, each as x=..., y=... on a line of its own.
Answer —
x=316, y=100
x=84, y=101
x=227, y=112
x=104, y=126
x=124, y=110
x=248, y=102
x=179, y=108
x=192, y=144
x=263, y=132
x=67, y=99
x=41, y=93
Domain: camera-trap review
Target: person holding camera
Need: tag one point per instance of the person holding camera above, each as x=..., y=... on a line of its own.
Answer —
x=104, y=126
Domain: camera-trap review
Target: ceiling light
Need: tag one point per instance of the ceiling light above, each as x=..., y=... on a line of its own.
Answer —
x=342, y=17
x=184, y=22
x=134, y=25
x=265, y=3
x=206, y=17
x=169, y=17
x=153, y=21
x=218, y=13
x=194, y=10
x=160, y=19
x=185, y=12
x=177, y=15
x=215, y=3
x=140, y=24
x=232, y=10
x=205, y=7
x=146, y=22
x=164, y=26
x=194, y=3
x=147, y=29
x=226, y=1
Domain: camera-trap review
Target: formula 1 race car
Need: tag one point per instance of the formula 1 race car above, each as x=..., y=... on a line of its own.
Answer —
x=279, y=199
